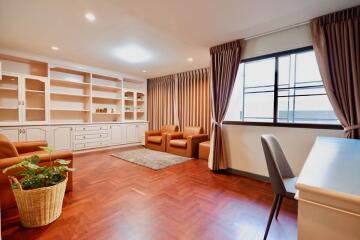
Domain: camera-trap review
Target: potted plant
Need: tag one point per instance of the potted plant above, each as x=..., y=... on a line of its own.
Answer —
x=39, y=190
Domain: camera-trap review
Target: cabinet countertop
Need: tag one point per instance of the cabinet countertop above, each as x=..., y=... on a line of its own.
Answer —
x=331, y=174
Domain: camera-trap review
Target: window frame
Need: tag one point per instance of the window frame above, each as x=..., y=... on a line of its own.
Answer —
x=275, y=123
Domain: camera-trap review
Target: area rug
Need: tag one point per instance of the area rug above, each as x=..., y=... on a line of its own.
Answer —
x=149, y=158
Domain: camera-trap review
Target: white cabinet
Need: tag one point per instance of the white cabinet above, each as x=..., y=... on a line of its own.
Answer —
x=91, y=136
x=61, y=137
x=140, y=132
x=79, y=137
x=118, y=134
x=19, y=134
x=12, y=134
x=134, y=105
x=22, y=99
x=35, y=134
x=131, y=133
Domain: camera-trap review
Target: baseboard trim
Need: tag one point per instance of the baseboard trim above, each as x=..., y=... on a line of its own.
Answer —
x=249, y=175
x=104, y=149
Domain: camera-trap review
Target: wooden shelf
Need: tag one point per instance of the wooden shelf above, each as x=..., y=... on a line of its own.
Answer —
x=69, y=110
x=8, y=108
x=100, y=86
x=35, y=91
x=68, y=94
x=8, y=89
x=107, y=98
x=59, y=81
x=95, y=113
x=35, y=109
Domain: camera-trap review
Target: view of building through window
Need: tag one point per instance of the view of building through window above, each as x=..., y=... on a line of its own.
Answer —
x=292, y=80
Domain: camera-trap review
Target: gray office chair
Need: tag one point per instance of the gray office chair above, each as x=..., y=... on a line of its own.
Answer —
x=281, y=176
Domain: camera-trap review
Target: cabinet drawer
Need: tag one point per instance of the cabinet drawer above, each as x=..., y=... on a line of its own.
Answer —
x=91, y=128
x=97, y=144
x=79, y=146
x=91, y=136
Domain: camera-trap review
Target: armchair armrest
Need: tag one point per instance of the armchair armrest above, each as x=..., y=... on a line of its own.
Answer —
x=199, y=137
x=152, y=133
x=44, y=157
x=29, y=146
x=175, y=135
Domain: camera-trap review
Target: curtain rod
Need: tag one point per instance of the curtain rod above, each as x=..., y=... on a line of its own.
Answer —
x=277, y=30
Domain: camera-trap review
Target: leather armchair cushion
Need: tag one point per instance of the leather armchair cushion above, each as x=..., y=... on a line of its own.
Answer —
x=169, y=128
x=155, y=139
x=7, y=149
x=44, y=157
x=189, y=131
x=179, y=143
x=30, y=146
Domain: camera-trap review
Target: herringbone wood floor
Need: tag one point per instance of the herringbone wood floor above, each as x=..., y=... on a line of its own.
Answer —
x=115, y=199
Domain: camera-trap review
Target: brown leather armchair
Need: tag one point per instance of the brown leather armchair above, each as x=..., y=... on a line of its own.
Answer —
x=156, y=140
x=186, y=143
x=12, y=153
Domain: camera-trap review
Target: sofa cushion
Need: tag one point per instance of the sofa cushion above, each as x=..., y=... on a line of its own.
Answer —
x=7, y=149
x=155, y=139
x=178, y=143
x=169, y=128
x=190, y=131
x=29, y=154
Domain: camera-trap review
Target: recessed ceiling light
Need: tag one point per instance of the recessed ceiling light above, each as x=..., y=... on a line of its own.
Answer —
x=90, y=17
x=133, y=53
x=55, y=48
x=190, y=59
x=144, y=71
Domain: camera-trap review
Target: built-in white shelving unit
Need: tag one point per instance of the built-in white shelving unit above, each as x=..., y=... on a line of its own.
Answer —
x=71, y=108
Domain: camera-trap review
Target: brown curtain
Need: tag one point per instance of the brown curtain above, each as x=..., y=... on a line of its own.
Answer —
x=194, y=99
x=161, y=101
x=225, y=60
x=336, y=40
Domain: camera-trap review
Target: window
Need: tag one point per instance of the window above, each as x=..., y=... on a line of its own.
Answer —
x=284, y=88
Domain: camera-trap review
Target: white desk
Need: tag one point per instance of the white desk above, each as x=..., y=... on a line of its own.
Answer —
x=329, y=191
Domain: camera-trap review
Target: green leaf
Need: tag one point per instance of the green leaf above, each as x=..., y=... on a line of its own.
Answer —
x=35, y=159
x=63, y=162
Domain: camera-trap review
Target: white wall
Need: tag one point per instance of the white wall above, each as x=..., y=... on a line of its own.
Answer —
x=243, y=145
x=245, y=153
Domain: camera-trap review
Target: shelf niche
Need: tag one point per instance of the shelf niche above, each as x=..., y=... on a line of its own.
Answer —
x=68, y=91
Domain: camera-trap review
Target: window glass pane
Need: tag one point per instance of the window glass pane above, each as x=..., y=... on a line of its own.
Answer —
x=284, y=71
x=259, y=107
x=260, y=73
x=308, y=109
x=306, y=67
x=305, y=99
x=234, y=111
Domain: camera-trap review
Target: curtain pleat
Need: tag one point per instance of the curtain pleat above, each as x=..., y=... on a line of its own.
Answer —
x=336, y=41
x=194, y=99
x=225, y=60
x=182, y=99
x=161, y=101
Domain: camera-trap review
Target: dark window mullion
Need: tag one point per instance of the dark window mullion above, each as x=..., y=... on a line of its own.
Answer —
x=275, y=114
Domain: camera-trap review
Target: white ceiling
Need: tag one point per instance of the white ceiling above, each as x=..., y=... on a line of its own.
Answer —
x=170, y=30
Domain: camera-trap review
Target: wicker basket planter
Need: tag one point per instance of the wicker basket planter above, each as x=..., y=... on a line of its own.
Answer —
x=41, y=206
